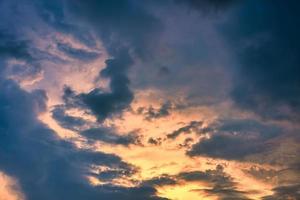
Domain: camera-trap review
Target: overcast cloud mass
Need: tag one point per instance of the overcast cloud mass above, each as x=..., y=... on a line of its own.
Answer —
x=149, y=100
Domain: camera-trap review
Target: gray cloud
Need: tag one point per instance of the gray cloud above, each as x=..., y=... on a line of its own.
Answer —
x=80, y=54
x=222, y=185
x=66, y=121
x=192, y=126
x=92, y=131
x=151, y=113
x=163, y=180
x=266, y=80
x=285, y=192
x=108, y=135
x=44, y=164
x=236, y=139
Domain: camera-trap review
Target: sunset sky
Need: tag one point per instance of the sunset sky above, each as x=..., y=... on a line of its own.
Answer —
x=149, y=100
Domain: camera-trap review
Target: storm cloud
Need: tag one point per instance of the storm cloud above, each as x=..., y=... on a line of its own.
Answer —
x=91, y=90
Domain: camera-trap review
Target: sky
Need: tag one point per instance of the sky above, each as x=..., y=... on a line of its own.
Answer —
x=149, y=100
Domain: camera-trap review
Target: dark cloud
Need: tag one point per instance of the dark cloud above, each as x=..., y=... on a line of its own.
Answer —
x=208, y=6
x=13, y=47
x=193, y=126
x=151, y=113
x=187, y=143
x=120, y=23
x=92, y=131
x=263, y=35
x=163, y=180
x=44, y=164
x=285, y=192
x=10, y=46
x=65, y=120
x=101, y=103
x=236, y=139
x=105, y=104
x=55, y=15
x=266, y=175
x=265, y=38
x=80, y=54
x=226, y=193
x=108, y=135
x=164, y=71
x=155, y=141
x=221, y=184
x=225, y=146
x=123, y=27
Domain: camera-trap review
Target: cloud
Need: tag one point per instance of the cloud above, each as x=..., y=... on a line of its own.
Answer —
x=121, y=38
x=218, y=183
x=65, y=120
x=10, y=46
x=105, y=104
x=93, y=131
x=155, y=141
x=152, y=113
x=43, y=163
x=222, y=185
x=109, y=136
x=261, y=35
x=284, y=192
x=208, y=5
x=119, y=23
x=235, y=139
x=266, y=79
x=54, y=14
x=24, y=66
x=193, y=126
x=163, y=180
x=101, y=103
x=76, y=53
